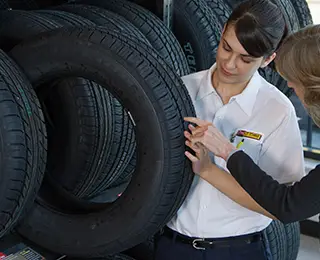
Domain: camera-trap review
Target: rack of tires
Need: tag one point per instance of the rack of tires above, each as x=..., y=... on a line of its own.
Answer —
x=91, y=110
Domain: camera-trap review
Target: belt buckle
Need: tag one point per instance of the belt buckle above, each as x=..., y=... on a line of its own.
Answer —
x=195, y=241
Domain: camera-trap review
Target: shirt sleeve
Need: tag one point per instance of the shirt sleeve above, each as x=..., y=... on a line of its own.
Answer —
x=287, y=203
x=282, y=153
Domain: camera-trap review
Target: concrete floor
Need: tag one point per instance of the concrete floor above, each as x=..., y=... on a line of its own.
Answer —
x=309, y=248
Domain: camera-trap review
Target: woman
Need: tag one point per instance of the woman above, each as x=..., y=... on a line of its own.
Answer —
x=233, y=95
x=298, y=62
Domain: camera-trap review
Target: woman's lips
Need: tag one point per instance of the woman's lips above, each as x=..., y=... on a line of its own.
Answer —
x=226, y=72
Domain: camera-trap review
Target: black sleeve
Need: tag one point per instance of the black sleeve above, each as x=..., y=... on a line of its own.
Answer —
x=286, y=203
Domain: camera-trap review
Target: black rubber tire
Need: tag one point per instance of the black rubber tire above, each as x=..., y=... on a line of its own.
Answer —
x=198, y=30
x=277, y=240
x=275, y=79
x=79, y=145
x=104, y=157
x=122, y=149
x=23, y=4
x=119, y=257
x=303, y=12
x=293, y=240
x=233, y=3
x=103, y=17
x=221, y=9
x=15, y=26
x=65, y=18
x=78, y=159
x=4, y=5
x=159, y=36
x=23, y=145
x=141, y=79
x=289, y=14
x=126, y=175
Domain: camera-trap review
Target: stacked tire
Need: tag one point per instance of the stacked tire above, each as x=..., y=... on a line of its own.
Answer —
x=92, y=111
x=156, y=102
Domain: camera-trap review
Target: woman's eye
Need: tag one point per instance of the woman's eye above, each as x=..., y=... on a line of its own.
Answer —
x=246, y=61
x=226, y=48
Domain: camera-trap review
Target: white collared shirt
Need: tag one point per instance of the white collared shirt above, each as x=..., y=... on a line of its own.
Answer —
x=262, y=111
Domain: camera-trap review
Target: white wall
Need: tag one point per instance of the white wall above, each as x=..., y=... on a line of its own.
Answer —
x=314, y=6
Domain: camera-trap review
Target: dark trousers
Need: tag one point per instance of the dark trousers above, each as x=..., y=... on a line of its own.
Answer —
x=170, y=249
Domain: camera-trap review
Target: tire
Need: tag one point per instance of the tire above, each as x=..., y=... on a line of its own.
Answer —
x=201, y=32
x=122, y=149
x=16, y=26
x=143, y=82
x=103, y=17
x=126, y=175
x=4, y=5
x=23, y=4
x=159, y=36
x=65, y=18
x=221, y=9
x=293, y=240
x=275, y=235
x=275, y=79
x=303, y=12
x=23, y=145
x=119, y=257
x=104, y=157
x=80, y=146
x=289, y=14
x=233, y=3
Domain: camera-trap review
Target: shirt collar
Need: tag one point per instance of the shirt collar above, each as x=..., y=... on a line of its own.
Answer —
x=246, y=99
x=206, y=87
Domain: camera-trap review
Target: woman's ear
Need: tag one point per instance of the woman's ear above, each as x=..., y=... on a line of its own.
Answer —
x=267, y=61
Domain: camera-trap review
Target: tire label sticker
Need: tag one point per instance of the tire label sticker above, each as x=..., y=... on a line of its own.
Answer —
x=25, y=254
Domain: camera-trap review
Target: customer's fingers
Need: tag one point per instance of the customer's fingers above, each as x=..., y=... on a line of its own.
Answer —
x=191, y=157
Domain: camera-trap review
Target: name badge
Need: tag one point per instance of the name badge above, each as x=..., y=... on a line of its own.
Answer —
x=246, y=134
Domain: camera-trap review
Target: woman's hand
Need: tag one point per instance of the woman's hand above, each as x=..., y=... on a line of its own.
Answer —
x=208, y=135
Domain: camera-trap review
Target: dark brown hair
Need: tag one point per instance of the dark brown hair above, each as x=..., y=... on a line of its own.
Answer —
x=259, y=26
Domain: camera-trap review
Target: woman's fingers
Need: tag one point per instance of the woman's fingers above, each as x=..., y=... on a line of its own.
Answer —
x=187, y=135
x=196, y=121
x=192, y=142
x=191, y=127
x=194, y=147
x=191, y=157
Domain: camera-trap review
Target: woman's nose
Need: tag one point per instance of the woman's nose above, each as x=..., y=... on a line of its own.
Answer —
x=230, y=64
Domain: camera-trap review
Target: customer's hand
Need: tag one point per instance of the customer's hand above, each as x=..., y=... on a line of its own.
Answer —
x=201, y=162
x=208, y=135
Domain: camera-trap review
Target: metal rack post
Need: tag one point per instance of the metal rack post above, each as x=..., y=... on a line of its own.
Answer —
x=167, y=13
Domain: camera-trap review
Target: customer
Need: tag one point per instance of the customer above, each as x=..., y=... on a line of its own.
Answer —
x=233, y=96
x=298, y=62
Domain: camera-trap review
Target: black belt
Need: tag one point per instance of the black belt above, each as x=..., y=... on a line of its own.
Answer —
x=206, y=243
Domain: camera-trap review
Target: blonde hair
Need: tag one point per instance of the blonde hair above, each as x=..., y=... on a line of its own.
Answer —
x=298, y=61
